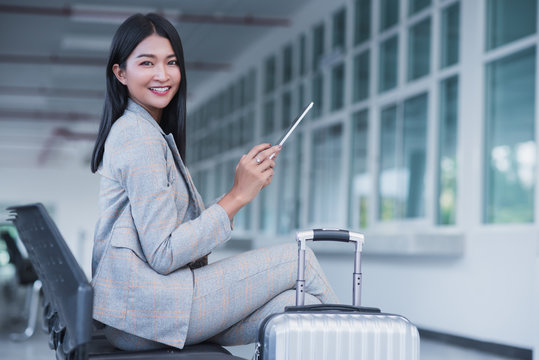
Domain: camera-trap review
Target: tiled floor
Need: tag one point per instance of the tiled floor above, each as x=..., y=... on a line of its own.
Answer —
x=37, y=349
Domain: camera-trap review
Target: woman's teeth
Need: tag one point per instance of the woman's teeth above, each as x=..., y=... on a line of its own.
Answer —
x=160, y=89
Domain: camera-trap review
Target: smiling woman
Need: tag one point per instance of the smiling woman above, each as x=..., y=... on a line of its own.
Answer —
x=152, y=282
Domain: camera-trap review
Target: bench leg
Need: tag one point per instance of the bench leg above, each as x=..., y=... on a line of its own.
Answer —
x=32, y=314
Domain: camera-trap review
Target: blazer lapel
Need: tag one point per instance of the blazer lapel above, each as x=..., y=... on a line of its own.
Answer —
x=183, y=170
x=139, y=110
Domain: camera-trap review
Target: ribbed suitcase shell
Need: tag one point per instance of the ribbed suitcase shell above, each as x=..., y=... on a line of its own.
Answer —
x=339, y=336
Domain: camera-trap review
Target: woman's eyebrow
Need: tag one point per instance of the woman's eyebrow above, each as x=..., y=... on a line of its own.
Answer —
x=153, y=56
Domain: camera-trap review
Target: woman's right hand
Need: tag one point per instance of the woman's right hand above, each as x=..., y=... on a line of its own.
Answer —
x=253, y=172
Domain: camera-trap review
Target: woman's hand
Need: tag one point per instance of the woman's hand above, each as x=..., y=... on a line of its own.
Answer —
x=253, y=172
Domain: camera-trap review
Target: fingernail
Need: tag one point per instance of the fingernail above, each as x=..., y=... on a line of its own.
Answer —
x=280, y=147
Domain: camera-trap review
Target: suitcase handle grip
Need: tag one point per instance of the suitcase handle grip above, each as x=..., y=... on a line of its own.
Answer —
x=331, y=308
x=329, y=235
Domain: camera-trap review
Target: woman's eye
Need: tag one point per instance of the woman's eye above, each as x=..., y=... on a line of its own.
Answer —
x=146, y=63
x=173, y=62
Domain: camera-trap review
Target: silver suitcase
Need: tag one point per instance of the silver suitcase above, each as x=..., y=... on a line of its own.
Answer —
x=335, y=332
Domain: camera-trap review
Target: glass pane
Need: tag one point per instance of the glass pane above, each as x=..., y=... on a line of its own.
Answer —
x=325, y=174
x=447, y=154
x=390, y=197
x=219, y=182
x=362, y=29
x=287, y=64
x=248, y=128
x=339, y=30
x=510, y=143
x=450, y=35
x=288, y=198
x=402, y=160
x=414, y=154
x=286, y=115
x=337, y=87
x=268, y=210
x=251, y=86
x=318, y=46
x=269, y=114
x=360, y=180
x=242, y=84
x=509, y=20
x=301, y=98
x=419, y=50
x=271, y=69
x=361, y=76
x=388, y=64
x=302, y=55
x=389, y=13
x=317, y=95
x=417, y=5
x=242, y=219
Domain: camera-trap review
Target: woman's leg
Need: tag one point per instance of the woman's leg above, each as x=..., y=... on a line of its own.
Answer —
x=246, y=331
x=230, y=290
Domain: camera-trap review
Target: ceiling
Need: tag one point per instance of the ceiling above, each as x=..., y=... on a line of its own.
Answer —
x=53, y=53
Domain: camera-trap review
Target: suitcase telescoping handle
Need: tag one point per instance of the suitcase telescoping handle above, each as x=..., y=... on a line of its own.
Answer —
x=329, y=235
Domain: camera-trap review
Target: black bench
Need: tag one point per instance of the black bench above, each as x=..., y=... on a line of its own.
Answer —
x=27, y=277
x=68, y=297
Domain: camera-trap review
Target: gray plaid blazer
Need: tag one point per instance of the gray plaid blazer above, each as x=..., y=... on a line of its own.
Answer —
x=152, y=225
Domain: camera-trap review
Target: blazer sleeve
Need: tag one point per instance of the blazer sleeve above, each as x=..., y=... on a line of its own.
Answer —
x=140, y=162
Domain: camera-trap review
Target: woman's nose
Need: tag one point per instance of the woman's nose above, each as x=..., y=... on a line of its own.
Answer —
x=161, y=72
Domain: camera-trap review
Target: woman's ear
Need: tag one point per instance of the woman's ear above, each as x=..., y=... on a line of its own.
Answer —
x=119, y=73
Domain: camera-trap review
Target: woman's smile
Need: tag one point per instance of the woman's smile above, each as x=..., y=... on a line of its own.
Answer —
x=160, y=90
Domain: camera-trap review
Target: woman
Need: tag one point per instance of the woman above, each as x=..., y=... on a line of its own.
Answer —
x=152, y=284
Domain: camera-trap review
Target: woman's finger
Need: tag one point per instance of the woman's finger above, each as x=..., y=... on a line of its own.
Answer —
x=257, y=149
x=269, y=153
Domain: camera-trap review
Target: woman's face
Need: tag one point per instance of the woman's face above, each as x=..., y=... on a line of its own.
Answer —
x=152, y=74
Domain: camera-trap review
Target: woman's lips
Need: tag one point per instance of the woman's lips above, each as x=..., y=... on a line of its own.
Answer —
x=160, y=90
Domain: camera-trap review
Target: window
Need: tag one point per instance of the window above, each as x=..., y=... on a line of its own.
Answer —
x=361, y=76
x=270, y=73
x=450, y=35
x=286, y=118
x=402, y=160
x=362, y=25
x=419, y=50
x=269, y=114
x=447, y=152
x=301, y=98
x=325, y=175
x=268, y=209
x=337, y=87
x=509, y=20
x=389, y=13
x=241, y=84
x=317, y=95
x=248, y=128
x=302, y=55
x=360, y=188
x=318, y=46
x=415, y=6
x=388, y=64
x=509, y=139
x=251, y=87
x=287, y=64
x=289, y=178
x=339, y=30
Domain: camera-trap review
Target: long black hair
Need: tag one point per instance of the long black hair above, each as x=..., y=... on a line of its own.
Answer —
x=130, y=33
